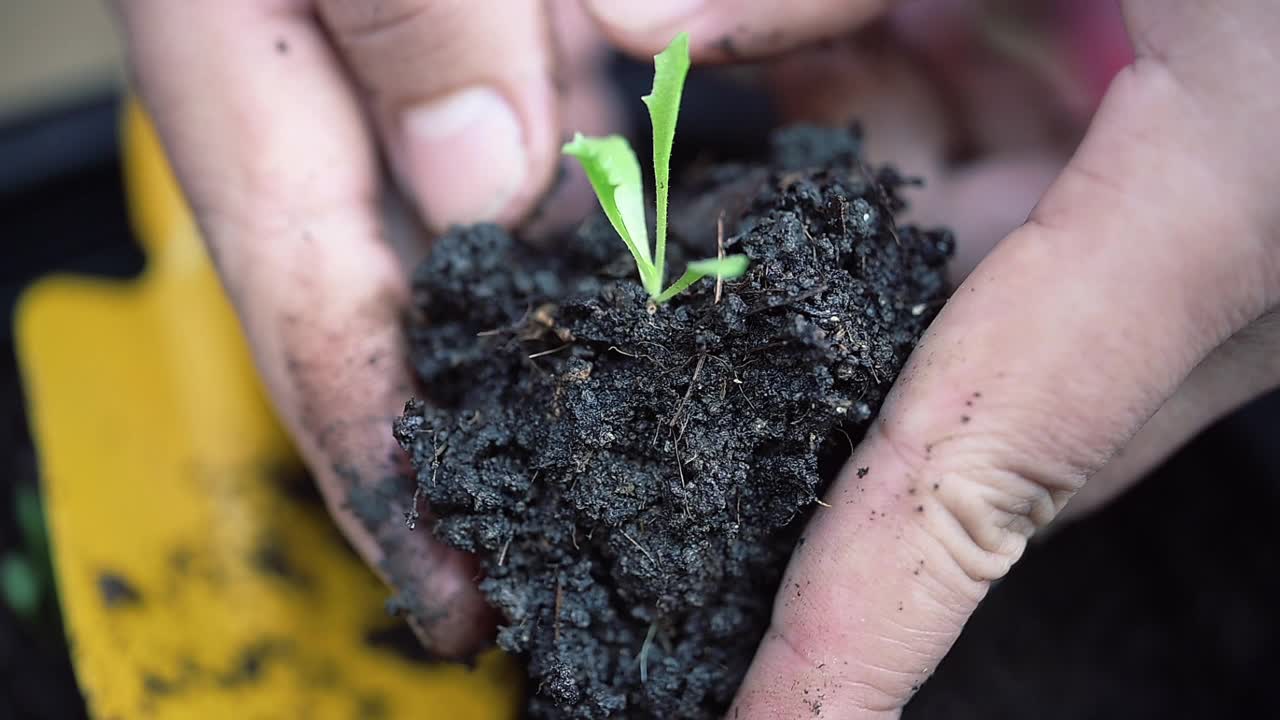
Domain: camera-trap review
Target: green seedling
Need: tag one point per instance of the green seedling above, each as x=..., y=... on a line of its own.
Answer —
x=614, y=173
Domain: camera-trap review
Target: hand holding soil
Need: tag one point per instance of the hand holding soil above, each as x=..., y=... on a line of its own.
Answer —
x=275, y=117
x=1133, y=307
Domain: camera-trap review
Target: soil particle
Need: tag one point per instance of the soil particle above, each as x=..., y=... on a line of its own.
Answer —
x=248, y=667
x=633, y=480
x=728, y=47
x=370, y=503
x=271, y=558
x=156, y=685
x=117, y=591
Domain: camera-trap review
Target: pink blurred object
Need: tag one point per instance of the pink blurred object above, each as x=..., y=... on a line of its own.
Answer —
x=1093, y=38
x=1077, y=45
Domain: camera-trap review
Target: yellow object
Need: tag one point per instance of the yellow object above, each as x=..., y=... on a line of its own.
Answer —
x=197, y=575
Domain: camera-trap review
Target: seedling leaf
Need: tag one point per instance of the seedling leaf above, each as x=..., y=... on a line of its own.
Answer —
x=614, y=173
x=727, y=267
x=669, y=70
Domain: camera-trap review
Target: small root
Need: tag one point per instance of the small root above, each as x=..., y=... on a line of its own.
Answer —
x=502, y=556
x=846, y=437
x=719, y=254
x=559, y=601
x=549, y=352
x=508, y=329
x=684, y=486
x=697, y=370
x=638, y=546
x=643, y=658
x=411, y=518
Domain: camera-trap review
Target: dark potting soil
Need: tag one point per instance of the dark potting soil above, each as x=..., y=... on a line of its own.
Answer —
x=634, y=478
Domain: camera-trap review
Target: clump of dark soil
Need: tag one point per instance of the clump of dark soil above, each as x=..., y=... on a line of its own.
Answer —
x=634, y=478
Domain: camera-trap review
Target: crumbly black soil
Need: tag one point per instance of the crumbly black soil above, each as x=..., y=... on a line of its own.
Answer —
x=634, y=478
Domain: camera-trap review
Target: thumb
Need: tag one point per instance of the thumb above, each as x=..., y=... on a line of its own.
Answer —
x=1147, y=252
x=462, y=95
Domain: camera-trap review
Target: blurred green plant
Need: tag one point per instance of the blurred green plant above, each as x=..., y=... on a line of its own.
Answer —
x=25, y=571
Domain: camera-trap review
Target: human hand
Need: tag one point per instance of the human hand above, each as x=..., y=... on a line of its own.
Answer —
x=291, y=208
x=274, y=115
x=1132, y=307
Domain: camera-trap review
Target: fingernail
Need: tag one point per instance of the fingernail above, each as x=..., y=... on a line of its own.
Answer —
x=466, y=156
x=642, y=17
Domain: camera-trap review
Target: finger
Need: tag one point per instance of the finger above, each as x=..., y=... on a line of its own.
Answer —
x=1245, y=367
x=729, y=29
x=877, y=83
x=1053, y=353
x=872, y=82
x=463, y=95
x=588, y=104
x=268, y=142
x=983, y=202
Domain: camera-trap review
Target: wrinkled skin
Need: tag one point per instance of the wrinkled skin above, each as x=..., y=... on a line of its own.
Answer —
x=1130, y=307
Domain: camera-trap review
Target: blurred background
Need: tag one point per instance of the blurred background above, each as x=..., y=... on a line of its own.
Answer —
x=33, y=75
x=1162, y=606
x=61, y=209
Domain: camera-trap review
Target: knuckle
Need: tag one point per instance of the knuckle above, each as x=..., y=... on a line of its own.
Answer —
x=461, y=42
x=379, y=40
x=358, y=21
x=990, y=492
x=984, y=517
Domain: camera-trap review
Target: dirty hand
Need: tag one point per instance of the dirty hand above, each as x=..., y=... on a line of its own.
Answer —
x=275, y=114
x=1140, y=284
x=1133, y=306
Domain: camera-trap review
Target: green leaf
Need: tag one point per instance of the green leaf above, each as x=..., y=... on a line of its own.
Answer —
x=614, y=172
x=728, y=267
x=669, y=69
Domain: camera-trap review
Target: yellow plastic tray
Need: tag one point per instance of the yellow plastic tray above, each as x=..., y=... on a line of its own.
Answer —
x=196, y=581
